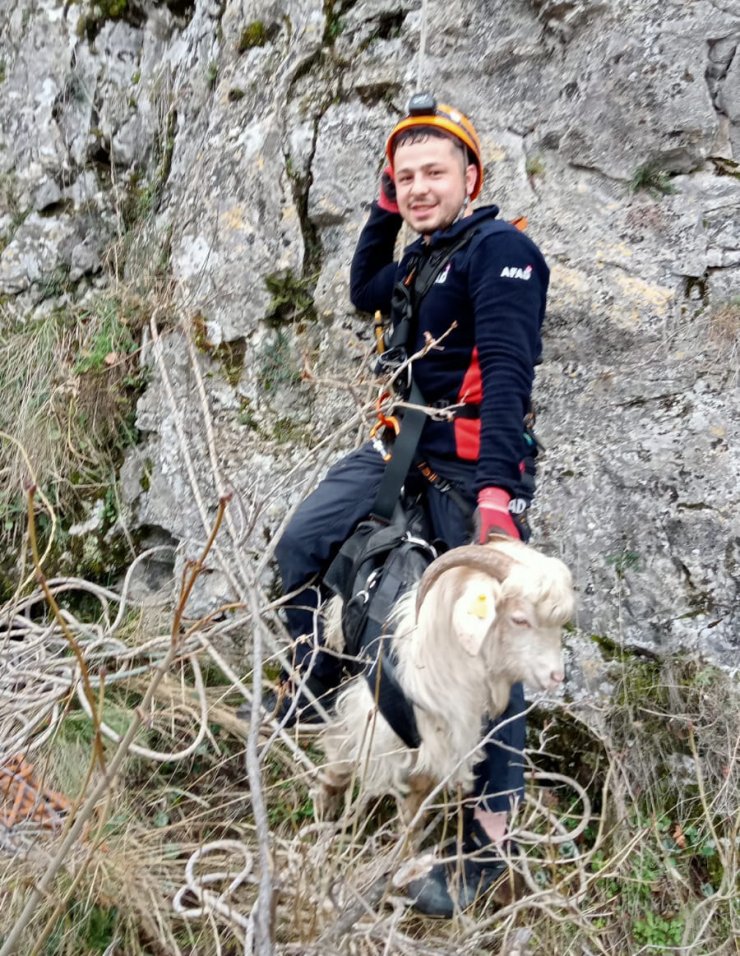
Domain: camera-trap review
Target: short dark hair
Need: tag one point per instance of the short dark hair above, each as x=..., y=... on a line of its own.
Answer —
x=419, y=134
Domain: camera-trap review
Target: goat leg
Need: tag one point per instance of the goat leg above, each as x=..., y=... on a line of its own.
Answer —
x=419, y=787
x=328, y=795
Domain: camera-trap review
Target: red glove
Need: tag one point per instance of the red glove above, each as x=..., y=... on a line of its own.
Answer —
x=387, y=197
x=493, y=516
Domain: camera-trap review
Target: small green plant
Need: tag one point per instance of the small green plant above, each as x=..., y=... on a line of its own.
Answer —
x=657, y=933
x=142, y=196
x=229, y=354
x=110, y=342
x=291, y=297
x=212, y=74
x=333, y=24
x=534, y=166
x=624, y=561
x=97, y=13
x=276, y=366
x=92, y=927
x=255, y=34
x=55, y=283
x=651, y=178
x=247, y=416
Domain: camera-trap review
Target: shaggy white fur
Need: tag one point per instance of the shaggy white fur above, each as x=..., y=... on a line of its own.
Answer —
x=475, y=636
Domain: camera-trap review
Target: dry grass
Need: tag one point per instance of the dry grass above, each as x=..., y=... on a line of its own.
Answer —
x=657, y=866
x=724, y=332
x=69, y=382
x=655, y=869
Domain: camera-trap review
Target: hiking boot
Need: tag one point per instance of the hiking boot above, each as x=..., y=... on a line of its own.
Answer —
x=455, y=884
x=289, y=708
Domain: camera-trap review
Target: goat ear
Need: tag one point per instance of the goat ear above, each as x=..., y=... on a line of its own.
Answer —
x=473, y=613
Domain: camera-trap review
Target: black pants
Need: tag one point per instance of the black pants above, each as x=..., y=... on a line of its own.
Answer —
x=312, y=538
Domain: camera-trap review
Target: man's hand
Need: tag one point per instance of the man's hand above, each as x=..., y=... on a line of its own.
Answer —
x=387, y=197
x=492, y=515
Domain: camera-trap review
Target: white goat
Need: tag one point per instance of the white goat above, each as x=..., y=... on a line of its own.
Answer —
x=481, y=619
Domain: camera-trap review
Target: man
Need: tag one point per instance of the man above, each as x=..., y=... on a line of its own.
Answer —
x=484, y=311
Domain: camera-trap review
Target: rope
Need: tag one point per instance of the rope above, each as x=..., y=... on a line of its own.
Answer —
x=422, y=46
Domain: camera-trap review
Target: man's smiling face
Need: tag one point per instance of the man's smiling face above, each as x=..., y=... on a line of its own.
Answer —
x=432, y=182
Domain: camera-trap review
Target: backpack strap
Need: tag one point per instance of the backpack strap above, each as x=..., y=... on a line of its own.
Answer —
x=404, y=448
x=421, y=275
x=392, y=703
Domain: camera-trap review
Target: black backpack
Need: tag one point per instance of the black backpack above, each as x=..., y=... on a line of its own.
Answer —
x=376, y=565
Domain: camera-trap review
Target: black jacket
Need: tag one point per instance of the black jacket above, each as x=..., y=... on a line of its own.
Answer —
x=495, y=289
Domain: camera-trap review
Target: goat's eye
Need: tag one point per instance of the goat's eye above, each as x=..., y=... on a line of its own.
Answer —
x=520, y=620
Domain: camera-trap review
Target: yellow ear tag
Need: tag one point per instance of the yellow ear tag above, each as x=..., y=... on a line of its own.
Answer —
x=479, y=606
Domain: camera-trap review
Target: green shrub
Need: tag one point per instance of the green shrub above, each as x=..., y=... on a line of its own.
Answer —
x=651, y=178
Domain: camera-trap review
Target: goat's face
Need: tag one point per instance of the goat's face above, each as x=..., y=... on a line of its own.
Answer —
x=524, y=647
x=515, y=626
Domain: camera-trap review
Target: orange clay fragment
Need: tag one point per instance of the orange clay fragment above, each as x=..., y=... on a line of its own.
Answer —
x=24, y=799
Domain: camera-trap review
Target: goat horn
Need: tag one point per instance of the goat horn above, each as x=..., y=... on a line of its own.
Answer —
x=494, y=563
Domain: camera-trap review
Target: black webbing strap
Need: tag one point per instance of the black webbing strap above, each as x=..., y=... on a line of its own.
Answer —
x=392, y=702
x=423, y=271
x=381, y=677
x=404, y=447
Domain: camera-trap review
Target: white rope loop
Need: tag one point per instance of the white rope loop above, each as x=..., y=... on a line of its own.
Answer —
x=210, y=902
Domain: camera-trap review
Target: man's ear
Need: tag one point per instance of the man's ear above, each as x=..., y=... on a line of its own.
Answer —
x=471, y=177
x=474, y=612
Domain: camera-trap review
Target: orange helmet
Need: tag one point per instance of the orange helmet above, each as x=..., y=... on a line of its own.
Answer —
x=424, y=110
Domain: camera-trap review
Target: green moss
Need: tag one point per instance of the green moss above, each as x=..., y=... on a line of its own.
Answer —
x=291, y=297
x=231, y=357
x=333, y=23
x=96, y=14
x=145, y=482
x=257, y=34
x=285, y=431
x=276, y=364
x=199, y=328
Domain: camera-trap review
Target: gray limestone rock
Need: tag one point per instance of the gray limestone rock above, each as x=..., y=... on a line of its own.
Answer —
x=250, y=156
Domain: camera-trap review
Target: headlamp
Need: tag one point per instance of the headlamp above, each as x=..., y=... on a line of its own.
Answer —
x=422, y=104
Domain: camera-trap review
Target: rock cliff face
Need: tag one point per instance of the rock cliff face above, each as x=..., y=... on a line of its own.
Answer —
x=248, y=137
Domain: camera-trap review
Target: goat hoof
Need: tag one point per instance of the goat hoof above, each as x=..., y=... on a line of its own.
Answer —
x=327, y=802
